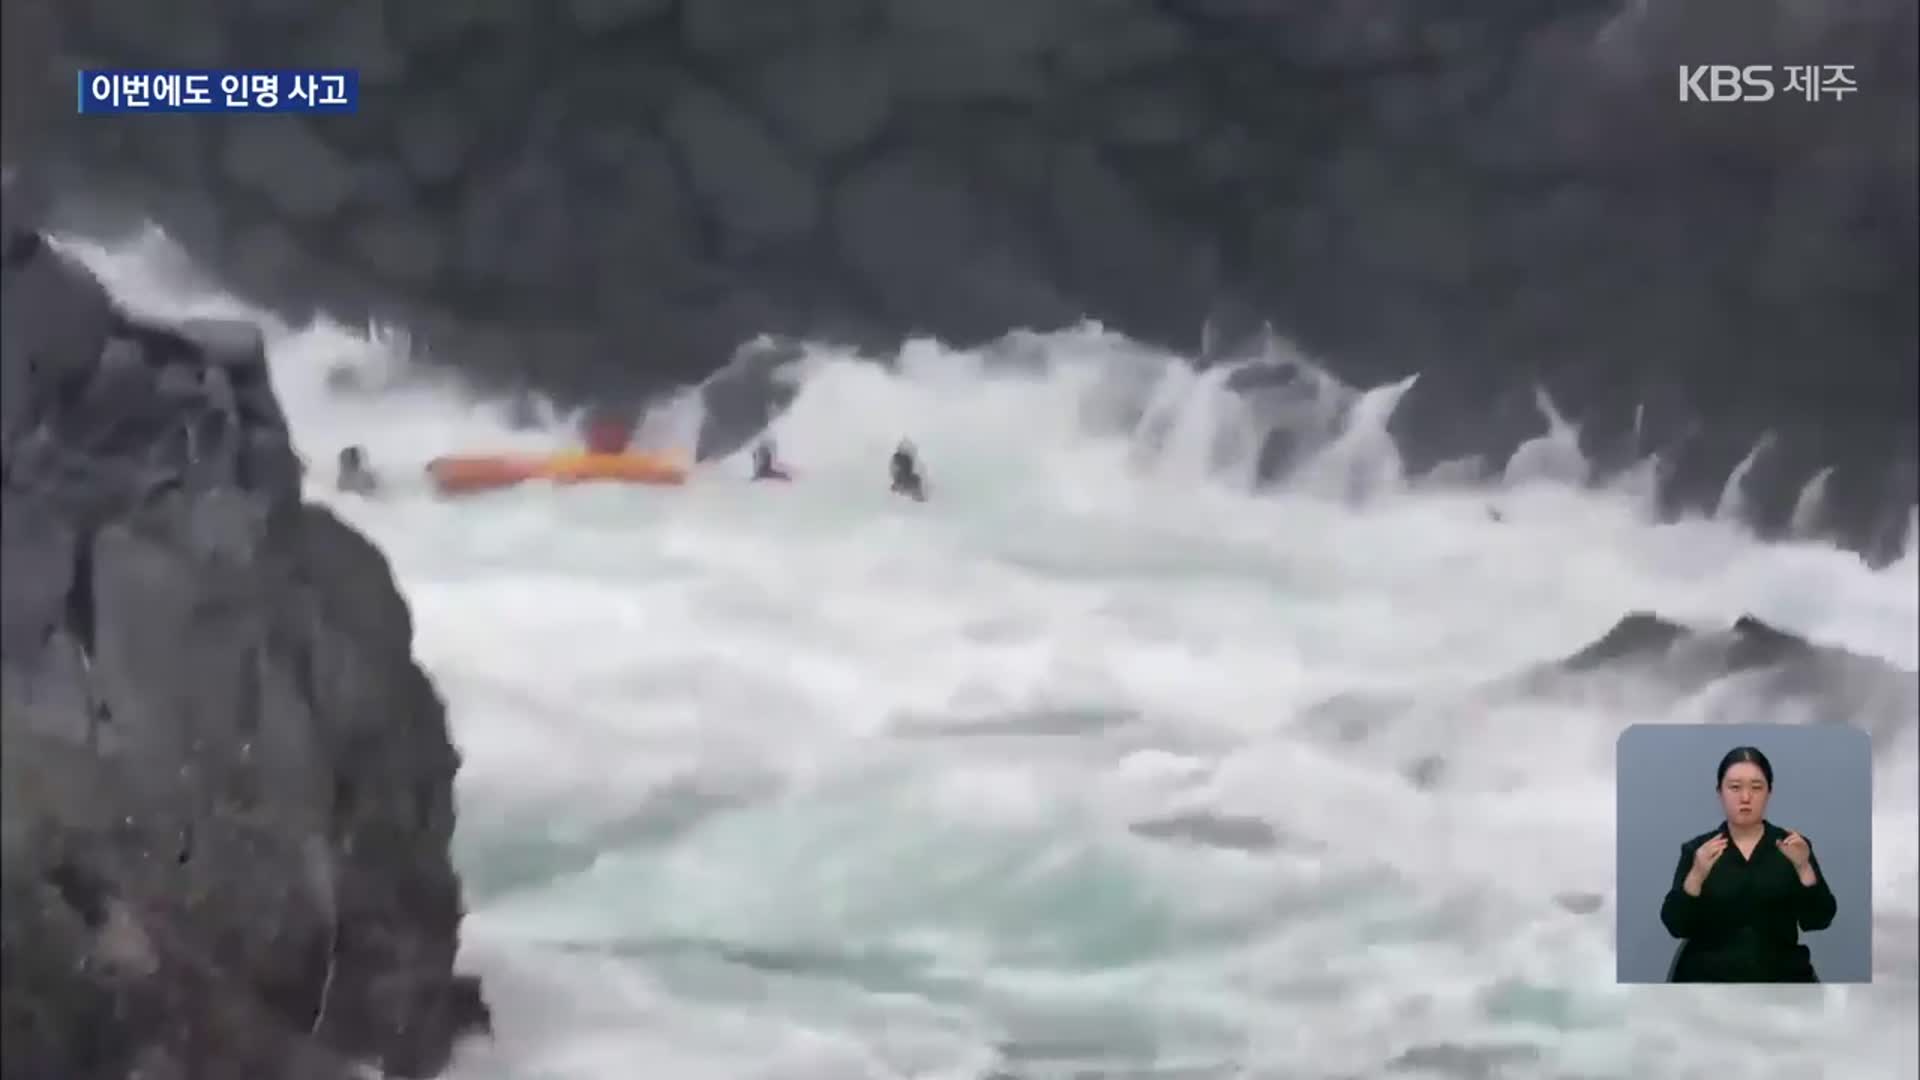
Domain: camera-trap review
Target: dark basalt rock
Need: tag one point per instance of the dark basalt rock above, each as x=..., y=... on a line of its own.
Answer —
x=1643, y=636
x=228, y=787
x=1823, y=683
x=605, y=197
x=1638, y=635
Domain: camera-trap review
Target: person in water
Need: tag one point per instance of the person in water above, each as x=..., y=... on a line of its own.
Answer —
x=764, y=465
x=1743, y=893
x=905, y=468
x=356, y=476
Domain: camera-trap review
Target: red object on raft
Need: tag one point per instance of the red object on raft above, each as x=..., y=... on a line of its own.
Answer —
x=608, y=436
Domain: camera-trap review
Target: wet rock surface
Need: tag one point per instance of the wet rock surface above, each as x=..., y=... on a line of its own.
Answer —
x=603, y=196
x=1824, y=683
x=228, y=787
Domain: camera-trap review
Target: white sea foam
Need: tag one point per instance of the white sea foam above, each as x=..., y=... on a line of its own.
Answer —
x=808, y=781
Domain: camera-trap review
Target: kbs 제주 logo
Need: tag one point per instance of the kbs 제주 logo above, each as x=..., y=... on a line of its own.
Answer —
x=1765, y=82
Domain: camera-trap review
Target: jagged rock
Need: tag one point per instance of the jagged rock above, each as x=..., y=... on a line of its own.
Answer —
x=1643, y=636
x=1638, y=635
x=1499, y=196
x=1667, y=657
x=227, y=784
x=1757, y=644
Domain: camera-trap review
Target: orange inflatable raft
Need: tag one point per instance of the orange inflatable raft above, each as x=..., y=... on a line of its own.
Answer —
x=466, y=474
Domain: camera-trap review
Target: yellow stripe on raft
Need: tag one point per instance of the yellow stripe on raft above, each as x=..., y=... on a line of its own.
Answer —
x=462, y=474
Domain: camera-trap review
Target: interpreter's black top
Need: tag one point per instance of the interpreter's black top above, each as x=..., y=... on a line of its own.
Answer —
x=1744, y=926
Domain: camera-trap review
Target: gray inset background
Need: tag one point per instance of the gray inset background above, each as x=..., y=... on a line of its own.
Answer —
x=1823, y=786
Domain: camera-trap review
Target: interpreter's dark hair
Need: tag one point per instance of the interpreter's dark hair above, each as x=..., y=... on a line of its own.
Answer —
x=1744, y=753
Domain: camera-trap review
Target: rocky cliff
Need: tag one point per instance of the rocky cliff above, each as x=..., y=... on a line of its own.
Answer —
x=228, y=787
x=598, y=195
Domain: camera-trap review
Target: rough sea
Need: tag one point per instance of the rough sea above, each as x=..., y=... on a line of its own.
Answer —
x=1097, y=764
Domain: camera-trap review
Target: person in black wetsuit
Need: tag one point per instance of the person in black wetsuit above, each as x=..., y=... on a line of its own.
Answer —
x=764, y=465
x=1743, y=893
x=356, y=476
x=905, y=468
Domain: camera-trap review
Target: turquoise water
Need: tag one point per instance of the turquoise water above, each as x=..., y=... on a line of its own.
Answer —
x=1094, y=765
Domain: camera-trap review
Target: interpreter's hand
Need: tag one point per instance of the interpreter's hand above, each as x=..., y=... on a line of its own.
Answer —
x=1707, y=854
x=1796, y=849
